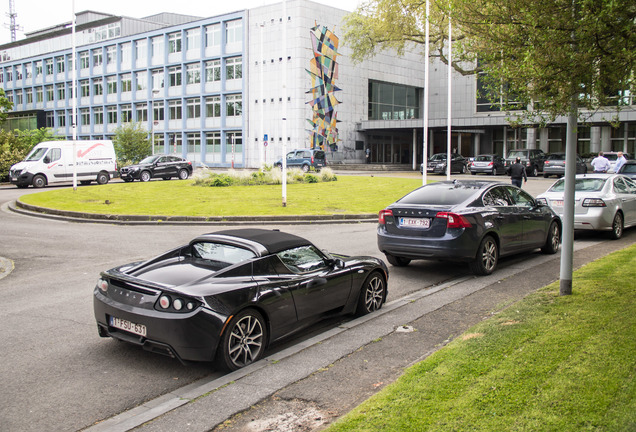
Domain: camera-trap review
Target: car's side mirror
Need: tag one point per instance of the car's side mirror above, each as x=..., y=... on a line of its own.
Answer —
x=335, y=263
x=46, y=159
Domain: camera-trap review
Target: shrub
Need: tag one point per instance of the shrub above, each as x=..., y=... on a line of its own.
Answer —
x=265, y=176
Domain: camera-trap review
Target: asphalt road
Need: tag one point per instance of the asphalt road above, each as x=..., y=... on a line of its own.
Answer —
x=58, y=374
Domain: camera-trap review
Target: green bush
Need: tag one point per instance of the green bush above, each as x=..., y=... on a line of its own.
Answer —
x=264, y=176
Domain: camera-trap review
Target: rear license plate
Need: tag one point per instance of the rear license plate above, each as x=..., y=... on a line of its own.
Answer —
x=415, y=222
x=122, y=324
x=557, y=203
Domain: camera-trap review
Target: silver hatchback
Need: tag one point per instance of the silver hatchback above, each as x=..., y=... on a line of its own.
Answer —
x=602, y=202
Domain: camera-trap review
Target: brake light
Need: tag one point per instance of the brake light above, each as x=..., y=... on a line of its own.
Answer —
x=593, y=202
x=382, y=216
x=490, y=164
x=453, y=220
x=312, y=159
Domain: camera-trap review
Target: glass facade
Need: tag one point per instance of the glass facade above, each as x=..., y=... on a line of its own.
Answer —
x=393, y=101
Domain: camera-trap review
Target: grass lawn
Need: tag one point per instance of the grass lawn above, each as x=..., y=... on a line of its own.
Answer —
x=348, y=195
x=547, y=363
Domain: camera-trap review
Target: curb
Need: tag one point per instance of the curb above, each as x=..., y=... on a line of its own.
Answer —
x=31, y=210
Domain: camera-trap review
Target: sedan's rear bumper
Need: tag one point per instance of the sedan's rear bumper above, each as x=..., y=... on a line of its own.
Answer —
x=447, y=248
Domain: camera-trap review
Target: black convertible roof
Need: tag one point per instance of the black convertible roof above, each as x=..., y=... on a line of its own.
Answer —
x=273, y=240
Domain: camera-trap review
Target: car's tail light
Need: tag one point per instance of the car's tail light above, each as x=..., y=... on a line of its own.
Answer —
x=594, y=202
x=383, y=214
x=164, y=302
x=453, y=220
x=546, y=163
x=172, y=303
x=490, y=164
x=102, y=284
x=312, y=159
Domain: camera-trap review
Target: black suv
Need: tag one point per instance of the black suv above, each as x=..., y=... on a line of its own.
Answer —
x=305, y=159
x=532, y=159
x=162, y=166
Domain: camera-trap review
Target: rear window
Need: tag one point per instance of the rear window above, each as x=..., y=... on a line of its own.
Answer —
x=319, y=155
x=556, y=157
x=483, y=158
x=440, y=194
x=629, y=168
x=581, y=185
x=518, y=153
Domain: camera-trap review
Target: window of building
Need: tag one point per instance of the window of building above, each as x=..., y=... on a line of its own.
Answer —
x=126, y=113
x=98, y=87
x=213, y=70
x=194, y=142
x=141, y=112
x=157, y=79
x=111, y=114
x=28, y=71
x=174, y=42
x=111, y=55
x=193, y=108
x=28, y=93
x=157, y=47
x=126, y=83
x=213, y=106
x=59, y=64
x=175, y=110
x=213, y=145
x=193, y=39
x=111, y=84
x=193, y=73
x=234, y=68
x=18, y=73
x=126, y=53
x=9, y=75
x=38, y=68
x=158, y=112
x=234, y=142
x=97, y=57
x=61, y=119
x=50, y=123
x=174, y=76
x=233, y=105
x=114, y=30
x=39, y=94
x=85, y=116
x=233, y=31
x=85, y=88
x=18, y=97
x=49, y=66
x=98, y=115
x=393, y=101
x=213, y=35
x=84, y=62
x=141, y=80
x=141, y=49
x=61, y=92
x=49, y=93
x=9, y=96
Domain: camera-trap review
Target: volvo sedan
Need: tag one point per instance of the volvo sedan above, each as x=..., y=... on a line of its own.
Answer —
x=602, y=202
x=471, y=221
x=227, y=295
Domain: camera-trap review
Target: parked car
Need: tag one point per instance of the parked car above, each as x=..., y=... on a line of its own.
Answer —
x=227, y=295
x=437, y=164
x=612, y=157
x=157, y=166
x=487, y=163
x=532, y=159
x=555, y=165
x=629, y=169
x=602, y=202
x=471, y=221
x=305, y=159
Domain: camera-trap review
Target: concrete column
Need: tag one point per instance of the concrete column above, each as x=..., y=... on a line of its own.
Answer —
x=476, y=144
x=595, y=139
x=531, y=136
x=544, y=134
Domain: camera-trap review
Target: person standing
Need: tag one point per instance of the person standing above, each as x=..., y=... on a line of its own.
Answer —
x=367, y=154
x=620, y=161
x=517, y=173
x=600, y=164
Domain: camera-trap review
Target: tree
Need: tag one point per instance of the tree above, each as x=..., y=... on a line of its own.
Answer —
x=131, y=143
x=5, y=106
x=551, y=56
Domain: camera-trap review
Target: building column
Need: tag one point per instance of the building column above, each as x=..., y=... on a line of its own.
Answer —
x=595, y=139
x=544, y=134
x=476, y=144
x=606, y=138
x=531, y=137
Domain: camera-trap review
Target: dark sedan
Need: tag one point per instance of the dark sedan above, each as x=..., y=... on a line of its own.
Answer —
x=467, y=221
x=227, y=295
x=488, y=164
x=157, y=166
x=437, y=164
x=555, y=165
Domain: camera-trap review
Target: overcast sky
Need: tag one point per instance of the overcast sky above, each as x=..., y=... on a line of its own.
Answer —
x=38, y=14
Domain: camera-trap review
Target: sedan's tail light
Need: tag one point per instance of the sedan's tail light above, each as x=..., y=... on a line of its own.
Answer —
x=593, y=202
x=453, y=220
x=383, y=214
x=176, y=304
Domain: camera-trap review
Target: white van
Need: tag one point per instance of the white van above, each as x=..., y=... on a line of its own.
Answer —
x=52, y=162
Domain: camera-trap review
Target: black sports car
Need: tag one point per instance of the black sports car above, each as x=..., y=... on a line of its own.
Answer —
x=157, y=166
x=227, y=295
x=470, y=221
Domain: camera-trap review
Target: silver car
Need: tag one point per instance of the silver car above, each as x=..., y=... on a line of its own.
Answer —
x=602, y=202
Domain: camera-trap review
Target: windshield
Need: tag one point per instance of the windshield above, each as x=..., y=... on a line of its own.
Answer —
x=438, y=157
x=36, y=154
x=150, y=159
x=581, y=185
x=517, y=154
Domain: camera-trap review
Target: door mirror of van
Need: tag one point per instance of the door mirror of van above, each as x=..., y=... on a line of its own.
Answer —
x=47, y=159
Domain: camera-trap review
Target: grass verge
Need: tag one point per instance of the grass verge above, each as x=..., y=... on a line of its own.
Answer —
x=547, y=363
x=348, y=195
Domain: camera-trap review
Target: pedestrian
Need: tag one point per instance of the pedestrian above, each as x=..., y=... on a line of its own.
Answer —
x=517, y=173
x=600, y=163
x=367, y=153
x=620, y=161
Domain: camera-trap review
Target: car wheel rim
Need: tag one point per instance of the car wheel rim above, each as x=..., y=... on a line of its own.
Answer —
x=555, y=237
x=145, y=177
x=489, y=255
x=374, y=294
x=618, y=226
x=246, y=341
x=183, y=174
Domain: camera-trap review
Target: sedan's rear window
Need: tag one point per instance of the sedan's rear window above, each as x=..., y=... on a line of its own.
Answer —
x=483, y=158
x=440, y=194
x=556, y=156
x=221, y=253
x=581, y=185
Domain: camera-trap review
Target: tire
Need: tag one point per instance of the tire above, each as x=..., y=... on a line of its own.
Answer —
x=39, y=181
x=397, y=261
x=535, y=172
x=546, y=175
x=553, y=241
x=473, y=173
x=167, y=178
x=145, y=176
x=183, y=174
x=128, y=180
x=280, y=166
x=243, y=342
x=102, y=178
x=305, y=168
x=494, y=171
x=487, y=257
x=372, y=294
x=617, y=226
x=462, y=170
